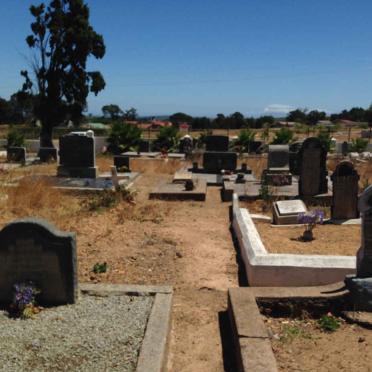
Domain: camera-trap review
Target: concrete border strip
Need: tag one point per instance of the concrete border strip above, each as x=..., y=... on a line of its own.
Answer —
x=283, y=270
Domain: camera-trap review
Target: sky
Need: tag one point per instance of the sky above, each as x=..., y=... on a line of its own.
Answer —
x=204, y=57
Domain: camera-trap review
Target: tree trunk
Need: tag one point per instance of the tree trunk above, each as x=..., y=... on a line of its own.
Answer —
x=46, y=139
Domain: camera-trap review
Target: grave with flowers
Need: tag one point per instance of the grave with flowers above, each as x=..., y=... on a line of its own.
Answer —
x=63, y=326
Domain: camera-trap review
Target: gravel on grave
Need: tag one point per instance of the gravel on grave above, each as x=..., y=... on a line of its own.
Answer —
x=95, y=334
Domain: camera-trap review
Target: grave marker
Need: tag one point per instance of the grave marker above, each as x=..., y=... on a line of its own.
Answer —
x=285, y=212
x=33, y=250
x=312, y=168
x=217, y=143
x=345, y=192
x=16, y=154
x=214, y=162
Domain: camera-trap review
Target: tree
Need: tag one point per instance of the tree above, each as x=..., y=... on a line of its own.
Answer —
x=112, y=111
x=63, y=39
x=167, y=138
x=298, y=115
x=266, y=120
x=245, y=138
x=180, y=117
x=123, y=137
x=283, y=136
x=131, y=114
x=314, y=116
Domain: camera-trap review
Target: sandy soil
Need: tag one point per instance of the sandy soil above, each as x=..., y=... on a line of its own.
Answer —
x=187, y=245
x=300, y=345
x=329, y=239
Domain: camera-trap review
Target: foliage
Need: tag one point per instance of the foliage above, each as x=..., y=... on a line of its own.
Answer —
x=314, y=116
x=310, y=220
x=326, y=139
x=358, y=144
x=245, y=138
x=283, y=136
x=62, y=39
x=130, y=114
x=292, y=331
x=180, y=117
x=100, y=268
x=24, y=300
x=123, y=137
x=15, y=137
x=112, y=111
x=168, y=139
x=328, y=323
x=298, y=116
x=265, y=135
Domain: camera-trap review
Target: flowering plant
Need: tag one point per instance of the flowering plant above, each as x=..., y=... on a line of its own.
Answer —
x=310, y=220
x=24, y=300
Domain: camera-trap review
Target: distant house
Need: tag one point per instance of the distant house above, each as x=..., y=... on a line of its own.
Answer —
x=289, y=124
x=325, y=123
x=184, y=127
x=154, y=125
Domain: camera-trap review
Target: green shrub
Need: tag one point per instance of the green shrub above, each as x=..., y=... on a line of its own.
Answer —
x=124, y=137
x=325, y=138
x=245, y=138
x=358, y=144
x=167, y=138
x=100, y=268
x=15, y=137
x=283, y=136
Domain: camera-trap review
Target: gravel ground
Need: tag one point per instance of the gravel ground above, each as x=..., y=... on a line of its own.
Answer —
x=96, y=334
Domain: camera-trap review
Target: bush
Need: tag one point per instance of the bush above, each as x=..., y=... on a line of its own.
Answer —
x=358, y=144
x=325, y=138
x=124, y=137
x=15, y=138
x=283, y=136
x=328, y=323
x=168, y=138
x=246, y=136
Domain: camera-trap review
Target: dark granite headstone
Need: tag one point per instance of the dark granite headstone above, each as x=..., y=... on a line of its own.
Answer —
x=47, y=154
x=77, y=156
x=344, y=148
x=313, y=168
x=33, y=250
x=255, y=146
x=144, y=146
x=16, y=154
x=217, y=143
x=122, y=163
x=214, y=162
x=345, y=192
x=278, y=157
x=186, y=145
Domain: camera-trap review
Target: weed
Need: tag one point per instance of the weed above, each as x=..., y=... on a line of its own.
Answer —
x=290, y=332
x=328, y=323
x=100, y=268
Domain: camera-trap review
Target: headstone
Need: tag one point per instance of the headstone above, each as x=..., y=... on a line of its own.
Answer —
x=77, y=156
x=114, y=177
x=195, y=166
x=345, y=181
x=214, y=162
x=360, y=286
x=16, y=154
x=255, y=146
x=278, y=157
x=285, y=212
x=122, y=163
x=217, y=143
x=344, y=148
x=278, y=173
x=186, y=144
x=47, y=154
x=313, y=169
x=189, y=185
x=33, y=250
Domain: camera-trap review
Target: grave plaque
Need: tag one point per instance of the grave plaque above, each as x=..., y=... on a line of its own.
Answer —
x=285, y=212
x=313, y=171
x=345, y=181
x=77, y=156
x=214, y=162
x=33, y=250
x=294, y=149
x=122, y=163
x=47, y=154
x=217, y=143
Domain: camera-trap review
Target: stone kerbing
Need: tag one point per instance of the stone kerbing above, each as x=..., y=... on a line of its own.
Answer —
x=154, y=349
x=286, y=270
x=251, y=339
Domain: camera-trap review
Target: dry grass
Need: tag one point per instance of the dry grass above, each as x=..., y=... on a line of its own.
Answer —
x=156, y=166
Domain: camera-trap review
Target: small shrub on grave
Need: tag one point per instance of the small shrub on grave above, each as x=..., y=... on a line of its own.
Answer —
x=329, y=323
x=100, y=268
x=123, y=137
x=168, y=138
x=24, y=304
x=283, y=136
x=15, y=138
x=358, y=144
x=310, y=220
x=245, y=138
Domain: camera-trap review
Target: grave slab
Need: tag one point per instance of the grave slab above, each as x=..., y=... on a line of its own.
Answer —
x=285, y=212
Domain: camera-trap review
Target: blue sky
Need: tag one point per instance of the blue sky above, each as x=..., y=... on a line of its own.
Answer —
x=204, y=57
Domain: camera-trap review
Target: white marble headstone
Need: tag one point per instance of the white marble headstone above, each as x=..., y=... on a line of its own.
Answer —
x=288, y=207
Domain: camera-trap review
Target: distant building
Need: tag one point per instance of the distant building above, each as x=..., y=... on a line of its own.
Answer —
x=289, y=124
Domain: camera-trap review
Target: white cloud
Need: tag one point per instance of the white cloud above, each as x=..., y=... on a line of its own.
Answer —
x=277, y=108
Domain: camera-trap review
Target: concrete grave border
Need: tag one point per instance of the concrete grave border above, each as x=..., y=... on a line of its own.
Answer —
x=252, y=341
x=264, y=269
x=153, y=354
